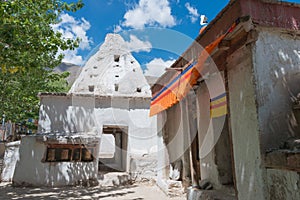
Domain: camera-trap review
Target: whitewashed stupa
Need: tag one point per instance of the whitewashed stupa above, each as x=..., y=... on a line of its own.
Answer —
x=102, y=123
x=112, y=71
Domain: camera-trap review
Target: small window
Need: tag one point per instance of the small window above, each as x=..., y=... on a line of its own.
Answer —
x=132, y=62
x=116, y=58
x=69, y=153
x=65, y=154
x=139, y=89
x=91, y=88
x=76, y=154
x=133, y=70
x=117, y=76
x=116, y=87
x=95, y=67
x=50, y=155
x=87, y=155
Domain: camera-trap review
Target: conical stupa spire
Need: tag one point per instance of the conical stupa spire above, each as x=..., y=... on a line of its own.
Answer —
x=112, y=71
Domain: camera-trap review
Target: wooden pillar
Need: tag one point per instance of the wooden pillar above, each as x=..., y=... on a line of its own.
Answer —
x=194, y=148
x=195, y=164
x=186, y=170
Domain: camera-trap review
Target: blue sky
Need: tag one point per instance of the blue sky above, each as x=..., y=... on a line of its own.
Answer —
x=162, y=29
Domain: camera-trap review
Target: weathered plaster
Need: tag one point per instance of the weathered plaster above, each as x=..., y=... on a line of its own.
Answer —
x=31, y=170
x=244, y=126
x=111, y=90
x=173, y=150
x=11, y=157
x=215, y=159
x=66, y=114
x=174, y=133
x=208, y=166
x=277, y=73
x=102, y=71
x=163, y=156
x=283, y=184
x=61, y=114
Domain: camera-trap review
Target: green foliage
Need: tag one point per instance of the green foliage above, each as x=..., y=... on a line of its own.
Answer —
x=28, y=53
x=26, y=36
x=18, y=99
x=58, y=82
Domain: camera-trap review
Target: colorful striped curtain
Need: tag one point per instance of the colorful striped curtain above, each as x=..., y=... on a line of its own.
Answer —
x=218, y=106
x=178, y=87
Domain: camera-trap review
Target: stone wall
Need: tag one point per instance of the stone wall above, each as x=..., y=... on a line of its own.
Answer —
x=143, y=168
x=283, y=184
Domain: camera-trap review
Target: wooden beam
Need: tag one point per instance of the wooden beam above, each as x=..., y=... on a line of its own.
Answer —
x=283, y=159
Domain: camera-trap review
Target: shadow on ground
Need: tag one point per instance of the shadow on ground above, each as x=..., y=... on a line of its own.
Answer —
x=7, y=191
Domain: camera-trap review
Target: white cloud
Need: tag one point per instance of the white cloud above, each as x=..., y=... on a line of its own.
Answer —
x=193, y=12
x=157, y=66
x=137, y=45
x=117, y=29
x=72, y=57
x=149, y=12
x=72, y=28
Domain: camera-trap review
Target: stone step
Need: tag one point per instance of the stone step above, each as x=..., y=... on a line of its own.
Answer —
x=112, y=179
x=197, y=194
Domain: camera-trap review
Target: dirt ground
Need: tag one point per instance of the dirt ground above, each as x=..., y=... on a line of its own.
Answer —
x=142, y=191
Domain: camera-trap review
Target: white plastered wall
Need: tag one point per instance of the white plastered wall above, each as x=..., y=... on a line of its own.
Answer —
x=31, y=170
x=276, y=68
x=82, y=114
x=209, y=130
x=249, y=172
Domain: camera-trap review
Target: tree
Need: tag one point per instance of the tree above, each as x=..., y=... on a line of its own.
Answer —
x=19, y=91
x=27, y=38
x=28, y=54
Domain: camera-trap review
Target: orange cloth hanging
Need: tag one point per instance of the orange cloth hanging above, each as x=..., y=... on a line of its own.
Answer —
x=179, y=87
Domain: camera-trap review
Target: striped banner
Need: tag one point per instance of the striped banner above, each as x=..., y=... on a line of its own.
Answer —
x=173, y=91
x=218, y=106
x=178, y=88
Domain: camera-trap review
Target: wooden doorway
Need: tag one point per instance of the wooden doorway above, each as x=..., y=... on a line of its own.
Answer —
x=113, y=149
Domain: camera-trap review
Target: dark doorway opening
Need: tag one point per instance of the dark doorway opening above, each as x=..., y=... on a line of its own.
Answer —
x=113, y=149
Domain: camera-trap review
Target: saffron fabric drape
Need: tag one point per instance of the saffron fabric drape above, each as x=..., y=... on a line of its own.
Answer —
x=178, y=87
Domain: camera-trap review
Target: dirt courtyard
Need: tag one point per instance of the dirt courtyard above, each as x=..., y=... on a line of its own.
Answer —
x=141, y=191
